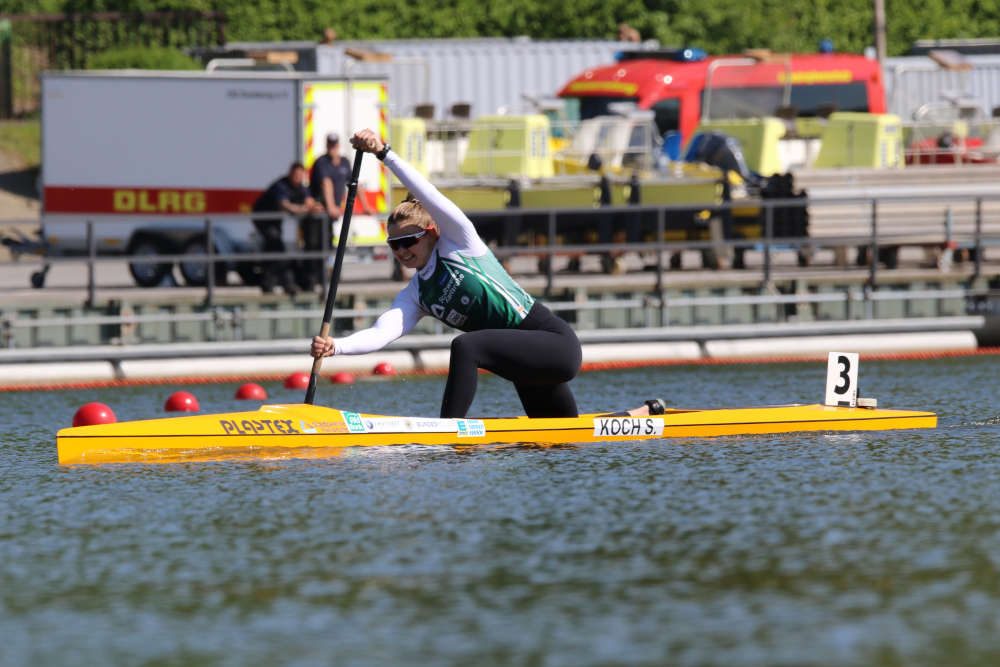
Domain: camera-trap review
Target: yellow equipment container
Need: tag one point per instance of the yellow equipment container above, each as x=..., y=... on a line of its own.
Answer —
x=574, y=193
x=471, y=197
x=861, y=140
x=408, y=137
x=758, y=138
x=514, y=146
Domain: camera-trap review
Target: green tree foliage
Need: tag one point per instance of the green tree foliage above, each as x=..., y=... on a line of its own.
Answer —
x=718, y=26
x=142, y=57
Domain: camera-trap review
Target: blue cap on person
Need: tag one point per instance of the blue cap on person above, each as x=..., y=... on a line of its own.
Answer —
x=332, y=138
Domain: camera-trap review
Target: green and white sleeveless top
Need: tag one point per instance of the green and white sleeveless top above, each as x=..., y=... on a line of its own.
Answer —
x=463, y=284
x=471, y=293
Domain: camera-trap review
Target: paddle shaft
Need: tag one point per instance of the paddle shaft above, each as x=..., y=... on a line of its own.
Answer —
x=338, y=263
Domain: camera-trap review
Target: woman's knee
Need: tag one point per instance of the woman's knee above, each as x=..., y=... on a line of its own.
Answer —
x=463, y=347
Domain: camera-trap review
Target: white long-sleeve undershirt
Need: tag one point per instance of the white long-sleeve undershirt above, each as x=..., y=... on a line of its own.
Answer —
x=457, y=234
x=401, y=317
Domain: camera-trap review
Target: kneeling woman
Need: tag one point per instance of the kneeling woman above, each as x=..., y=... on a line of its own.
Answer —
x=460, y=282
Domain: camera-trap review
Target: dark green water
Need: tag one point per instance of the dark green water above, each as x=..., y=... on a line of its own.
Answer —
x=826, y=549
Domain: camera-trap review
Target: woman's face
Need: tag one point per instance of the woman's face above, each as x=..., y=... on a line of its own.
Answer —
x=412, y=245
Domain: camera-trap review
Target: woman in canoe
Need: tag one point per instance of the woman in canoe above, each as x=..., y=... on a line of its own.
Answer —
x=460, y=282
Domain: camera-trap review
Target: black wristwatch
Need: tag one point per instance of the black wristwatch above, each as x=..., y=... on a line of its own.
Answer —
x=382, y=153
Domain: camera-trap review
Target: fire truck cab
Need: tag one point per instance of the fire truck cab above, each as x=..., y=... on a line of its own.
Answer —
x=683, y=87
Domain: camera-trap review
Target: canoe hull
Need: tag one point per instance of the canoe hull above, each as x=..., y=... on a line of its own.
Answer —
x=317, y=430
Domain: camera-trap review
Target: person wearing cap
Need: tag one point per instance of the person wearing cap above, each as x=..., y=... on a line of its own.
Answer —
x=460, y=282
x=329, y=176
x=328, y=186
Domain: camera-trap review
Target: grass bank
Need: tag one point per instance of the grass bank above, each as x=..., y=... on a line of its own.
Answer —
x=20, y=143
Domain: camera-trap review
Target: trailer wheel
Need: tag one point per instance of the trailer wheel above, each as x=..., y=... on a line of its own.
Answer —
x=149, y=274
x=195, y=274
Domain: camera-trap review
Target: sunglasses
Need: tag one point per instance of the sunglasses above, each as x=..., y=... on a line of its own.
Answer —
x=406, y=241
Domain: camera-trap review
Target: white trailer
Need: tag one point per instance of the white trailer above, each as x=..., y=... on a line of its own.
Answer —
x=146, y=158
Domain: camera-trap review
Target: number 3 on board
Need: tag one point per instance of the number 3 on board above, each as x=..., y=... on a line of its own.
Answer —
x=842, y=379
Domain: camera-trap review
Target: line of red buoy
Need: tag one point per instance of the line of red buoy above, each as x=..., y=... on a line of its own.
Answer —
x=587, y=367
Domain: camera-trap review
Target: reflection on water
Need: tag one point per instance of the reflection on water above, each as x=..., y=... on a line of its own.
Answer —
x=834, y=549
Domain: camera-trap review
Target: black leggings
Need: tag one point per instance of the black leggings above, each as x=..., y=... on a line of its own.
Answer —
x=540, y=357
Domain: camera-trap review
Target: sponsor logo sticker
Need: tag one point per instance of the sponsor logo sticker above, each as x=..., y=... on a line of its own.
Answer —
x=617, y=427
x=354, y=423
x=455, y=318
x=323, y=427
x=258, y=427
x=471, y=428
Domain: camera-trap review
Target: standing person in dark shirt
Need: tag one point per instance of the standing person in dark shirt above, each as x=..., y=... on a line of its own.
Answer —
x=329, y=177
x=287, y=195
x=328, y=185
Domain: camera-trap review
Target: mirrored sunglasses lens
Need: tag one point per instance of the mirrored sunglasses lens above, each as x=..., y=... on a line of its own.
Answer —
x=405, y=241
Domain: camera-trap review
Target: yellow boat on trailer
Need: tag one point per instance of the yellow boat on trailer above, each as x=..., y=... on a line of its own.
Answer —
x=309, y=428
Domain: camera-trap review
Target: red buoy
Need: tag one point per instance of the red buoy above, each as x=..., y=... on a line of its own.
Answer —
x=298, y=380
x=383, y=368
x=93, y=413
x=181, y=401
x=342, y=377
x=251, y=391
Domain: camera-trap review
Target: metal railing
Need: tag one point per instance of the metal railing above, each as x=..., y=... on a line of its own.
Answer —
x=656, y=310
x=972, y=231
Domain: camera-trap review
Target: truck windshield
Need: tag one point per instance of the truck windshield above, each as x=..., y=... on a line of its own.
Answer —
x=808, y=101
x=719, y=103
x=814, y=100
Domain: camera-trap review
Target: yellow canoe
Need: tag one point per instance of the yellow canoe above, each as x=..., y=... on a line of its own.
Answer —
x=316, y=430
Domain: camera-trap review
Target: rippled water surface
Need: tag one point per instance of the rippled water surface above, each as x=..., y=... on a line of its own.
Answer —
x=814, y=549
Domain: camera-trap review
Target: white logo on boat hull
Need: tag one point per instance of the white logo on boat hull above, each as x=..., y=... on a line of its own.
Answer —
x=354, y=422
x=471, y=428
x=464, y=428
x=618, y=427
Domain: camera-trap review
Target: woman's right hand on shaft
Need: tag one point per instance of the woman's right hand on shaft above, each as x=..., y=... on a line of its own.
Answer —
x=322, y=346
x=368, y=141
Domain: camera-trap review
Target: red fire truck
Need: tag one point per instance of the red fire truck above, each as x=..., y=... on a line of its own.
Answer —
x=684, y=86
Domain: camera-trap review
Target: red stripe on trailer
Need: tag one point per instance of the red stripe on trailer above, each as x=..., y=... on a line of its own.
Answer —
x=147, y=201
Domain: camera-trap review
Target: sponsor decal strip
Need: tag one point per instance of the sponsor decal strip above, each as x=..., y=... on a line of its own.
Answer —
x=132, y=200
x=162, y=201
x=356, y=423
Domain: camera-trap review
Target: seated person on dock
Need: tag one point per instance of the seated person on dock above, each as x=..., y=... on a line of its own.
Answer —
x=287, y=195
x=459, y=281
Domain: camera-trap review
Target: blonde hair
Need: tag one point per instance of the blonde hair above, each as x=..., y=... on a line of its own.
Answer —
x=410, y=212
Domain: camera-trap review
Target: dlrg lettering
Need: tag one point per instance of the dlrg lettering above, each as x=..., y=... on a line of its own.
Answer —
x=159, y=201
